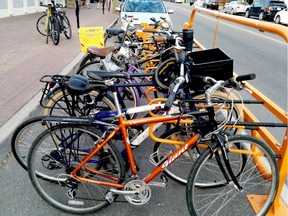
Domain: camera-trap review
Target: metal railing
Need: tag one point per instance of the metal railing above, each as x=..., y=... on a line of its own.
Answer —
x=280, y=148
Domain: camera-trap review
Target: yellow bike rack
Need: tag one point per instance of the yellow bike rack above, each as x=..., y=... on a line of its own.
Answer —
x=279, y=207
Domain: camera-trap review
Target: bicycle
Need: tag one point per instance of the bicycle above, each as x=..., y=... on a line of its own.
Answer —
x=130, y=35
x=64, y=25
x=90, y=180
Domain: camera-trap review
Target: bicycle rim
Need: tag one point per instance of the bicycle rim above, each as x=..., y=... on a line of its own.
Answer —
x=179, y=169
x=23, y=137
x=225, y=199
x=54, y=32
x=82, y=105
x=224, y=111
x=88, y=66
x=56, y=152
x=41, y=25
x=67, y=28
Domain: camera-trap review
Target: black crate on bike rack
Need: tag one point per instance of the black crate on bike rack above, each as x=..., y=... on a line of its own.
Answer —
x=213, y=62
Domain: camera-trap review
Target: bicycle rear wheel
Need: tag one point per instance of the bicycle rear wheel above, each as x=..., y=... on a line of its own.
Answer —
x=223, y=198
x=81, y=105
x=56, y=152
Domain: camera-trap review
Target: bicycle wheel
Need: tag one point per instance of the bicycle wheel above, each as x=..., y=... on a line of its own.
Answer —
x=224, y=111
x=90, y=66
x=223, y=198
x=56, y=152
x=179, y=170
x=41, y=25
x=23, y=137
x=89, y=58
x=129, y=95
x=53, y=30
x=66, y=27
x=81, y=105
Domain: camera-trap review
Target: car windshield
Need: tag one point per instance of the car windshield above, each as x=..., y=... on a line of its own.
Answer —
x=148, y=6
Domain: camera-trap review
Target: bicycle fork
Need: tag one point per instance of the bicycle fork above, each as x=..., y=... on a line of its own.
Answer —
x=222, y=140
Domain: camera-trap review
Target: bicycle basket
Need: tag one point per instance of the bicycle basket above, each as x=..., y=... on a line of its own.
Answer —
x=213, y=62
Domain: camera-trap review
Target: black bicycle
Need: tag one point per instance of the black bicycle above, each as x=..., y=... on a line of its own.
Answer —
x=54, y=21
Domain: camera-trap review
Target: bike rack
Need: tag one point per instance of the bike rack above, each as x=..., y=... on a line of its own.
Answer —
x=280, y=149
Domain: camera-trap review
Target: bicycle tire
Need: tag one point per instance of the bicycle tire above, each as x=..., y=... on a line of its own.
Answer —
x=89, y=65
x=57, y=105
x=67, y=27
x=41, y=25
x=179, y=170
x=53, y=161
x=54, y=31
x=23, y=137
x=88, y=58
x=234, y=115
x=225, y=199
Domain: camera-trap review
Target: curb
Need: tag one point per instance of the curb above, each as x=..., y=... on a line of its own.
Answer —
x=27, y=110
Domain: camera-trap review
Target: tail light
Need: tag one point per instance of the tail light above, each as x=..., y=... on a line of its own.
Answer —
x=51, y=85
x=268, y=8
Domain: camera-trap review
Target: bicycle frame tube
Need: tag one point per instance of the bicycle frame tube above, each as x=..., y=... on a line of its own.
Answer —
x=123, y=124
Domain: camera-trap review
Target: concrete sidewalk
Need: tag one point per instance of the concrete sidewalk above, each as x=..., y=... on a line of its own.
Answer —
x=25, y=58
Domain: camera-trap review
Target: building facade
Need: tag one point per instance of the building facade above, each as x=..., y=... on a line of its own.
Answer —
x=21, y=7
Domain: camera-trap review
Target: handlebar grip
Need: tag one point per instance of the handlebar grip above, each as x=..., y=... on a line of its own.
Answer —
x=169, y=102
x=159, y=38
x=150, y=30
x=245, y=77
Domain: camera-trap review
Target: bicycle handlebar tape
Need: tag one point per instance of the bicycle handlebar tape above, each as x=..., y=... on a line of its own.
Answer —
x=169, y=102
x=246, y=77
x=188, y=35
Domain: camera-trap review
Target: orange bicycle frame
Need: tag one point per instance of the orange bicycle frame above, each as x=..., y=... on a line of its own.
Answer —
x=122, y=126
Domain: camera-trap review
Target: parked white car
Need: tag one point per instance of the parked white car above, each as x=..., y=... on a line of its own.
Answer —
x=140, y=11
x=236, y=7
x=281, y=17
x=198, y=3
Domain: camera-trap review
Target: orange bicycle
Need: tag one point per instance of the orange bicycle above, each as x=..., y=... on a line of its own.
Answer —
x=89, y=171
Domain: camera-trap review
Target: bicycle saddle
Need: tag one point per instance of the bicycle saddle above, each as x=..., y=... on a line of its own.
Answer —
x=101, y=52
x=114, y=32
x=78, y=85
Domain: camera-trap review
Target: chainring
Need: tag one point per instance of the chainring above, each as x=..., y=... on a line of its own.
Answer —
x=143, y=194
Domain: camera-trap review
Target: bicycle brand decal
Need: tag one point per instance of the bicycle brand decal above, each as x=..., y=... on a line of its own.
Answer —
x=172, y=158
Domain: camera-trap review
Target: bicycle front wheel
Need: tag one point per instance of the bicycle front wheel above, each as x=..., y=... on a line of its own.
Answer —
x=41, y=25
x=67, y=27
x=53, y=30
x=23, y=137
x=59, y=150
x=257, y=181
